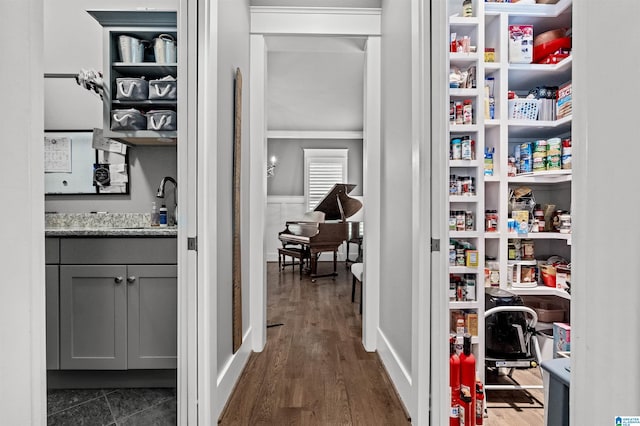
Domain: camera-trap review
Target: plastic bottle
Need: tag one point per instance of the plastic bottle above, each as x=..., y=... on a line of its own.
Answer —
x=454, y=384
x=155, y=216
x=163, y=216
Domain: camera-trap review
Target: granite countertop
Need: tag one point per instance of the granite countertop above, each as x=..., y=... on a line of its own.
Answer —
x=104, y=225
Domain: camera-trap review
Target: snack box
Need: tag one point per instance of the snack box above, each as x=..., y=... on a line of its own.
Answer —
x=561, y=338
x=520, y=44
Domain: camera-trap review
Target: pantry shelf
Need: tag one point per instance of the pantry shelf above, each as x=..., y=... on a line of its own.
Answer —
x=464, y=234
x=464, y=163
x=463, y=128
x=462, y=270
x=540, y=290
x=463, y=305
x=528, y=10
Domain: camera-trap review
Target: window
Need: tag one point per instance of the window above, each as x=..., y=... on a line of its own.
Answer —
x=323, y=168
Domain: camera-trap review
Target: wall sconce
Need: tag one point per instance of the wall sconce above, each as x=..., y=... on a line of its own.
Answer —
x=271, y=167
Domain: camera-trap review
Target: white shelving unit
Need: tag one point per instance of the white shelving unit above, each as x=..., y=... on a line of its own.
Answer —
x=489, y=27
x=549, y=187
x=473, y=27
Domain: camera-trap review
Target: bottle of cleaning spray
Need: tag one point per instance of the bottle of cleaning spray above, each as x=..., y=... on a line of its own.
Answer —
x=163, y=215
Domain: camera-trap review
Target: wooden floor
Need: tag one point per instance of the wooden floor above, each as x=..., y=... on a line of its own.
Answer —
x=314, y=370
x=515, y=407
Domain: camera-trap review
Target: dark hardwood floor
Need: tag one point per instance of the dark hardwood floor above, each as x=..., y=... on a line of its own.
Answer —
x=314, y=369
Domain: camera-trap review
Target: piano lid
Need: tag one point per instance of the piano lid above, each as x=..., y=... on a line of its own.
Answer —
x=337, y=205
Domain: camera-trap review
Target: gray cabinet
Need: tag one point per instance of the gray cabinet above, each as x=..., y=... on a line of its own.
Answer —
x=52, y=284
x=93, y=317
x=152, y=316
x=117, y=316
x=143, y=27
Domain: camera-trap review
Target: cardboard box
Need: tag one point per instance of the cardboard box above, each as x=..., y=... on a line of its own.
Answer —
x=472, y=324
x=561, y=338
x=564, y=103
x=520, y=44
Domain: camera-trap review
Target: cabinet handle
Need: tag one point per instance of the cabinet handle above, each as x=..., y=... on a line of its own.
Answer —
x=118, y=280
x=131, y=279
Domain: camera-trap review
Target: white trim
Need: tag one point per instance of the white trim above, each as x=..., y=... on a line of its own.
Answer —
x=315, y=20
x=230, y=373
x=313, y=134
x=397, y=371
x=285, y=199
x=204, y=399
x=316, y=10
x=371, y=168
x=421, y=193
x=257, y=191
x=439, y=199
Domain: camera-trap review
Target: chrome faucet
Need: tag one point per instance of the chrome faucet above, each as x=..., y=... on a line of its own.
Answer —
x=160, y=194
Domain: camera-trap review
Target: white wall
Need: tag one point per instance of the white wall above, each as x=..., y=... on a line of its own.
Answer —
x=395, y=268
x=22, y=322
x=233, y=36
x=605, y=295
x=315, y=90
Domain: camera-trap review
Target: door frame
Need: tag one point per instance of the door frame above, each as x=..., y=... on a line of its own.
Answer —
x=299, y=21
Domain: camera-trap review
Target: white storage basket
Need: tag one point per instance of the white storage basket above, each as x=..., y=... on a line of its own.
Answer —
x=523, y=109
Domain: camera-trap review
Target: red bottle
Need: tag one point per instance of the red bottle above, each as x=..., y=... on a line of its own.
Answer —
x=467, y=384
x=479, y=403
x=454, y=384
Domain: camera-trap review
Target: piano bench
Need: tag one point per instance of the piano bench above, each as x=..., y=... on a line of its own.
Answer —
x=294, y=253
x=357, y=270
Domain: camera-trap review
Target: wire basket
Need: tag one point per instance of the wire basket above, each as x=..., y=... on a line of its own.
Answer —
x=523, y=109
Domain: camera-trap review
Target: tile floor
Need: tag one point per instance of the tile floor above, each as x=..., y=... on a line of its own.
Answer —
x=112, y=407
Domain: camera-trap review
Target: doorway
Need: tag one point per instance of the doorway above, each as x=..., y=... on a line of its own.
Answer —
x=268, y=21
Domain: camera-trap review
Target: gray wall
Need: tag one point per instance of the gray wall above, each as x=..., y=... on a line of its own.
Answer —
x=395, y=233
x=233, y=36
x=147, y=166
x=73, y=41
x=289, y=174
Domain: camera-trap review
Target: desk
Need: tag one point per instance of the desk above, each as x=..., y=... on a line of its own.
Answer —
x=557, y=381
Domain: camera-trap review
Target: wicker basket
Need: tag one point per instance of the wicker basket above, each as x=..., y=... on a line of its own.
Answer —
x=523, y=109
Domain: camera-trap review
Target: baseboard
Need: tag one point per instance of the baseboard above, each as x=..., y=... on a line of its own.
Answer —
x=228, y=377
x=398, y=374
x=100, y=379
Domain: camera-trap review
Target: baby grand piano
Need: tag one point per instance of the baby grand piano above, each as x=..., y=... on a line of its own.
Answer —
x=318, y=237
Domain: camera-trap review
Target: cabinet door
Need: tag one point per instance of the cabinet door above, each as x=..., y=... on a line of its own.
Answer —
x=93, y=317
x=52, y=316
x=152, y=316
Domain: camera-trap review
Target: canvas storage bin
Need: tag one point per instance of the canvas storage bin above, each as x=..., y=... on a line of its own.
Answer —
x=163, y=89
x=132, y=89
x=163, y=120
x=128, y=119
